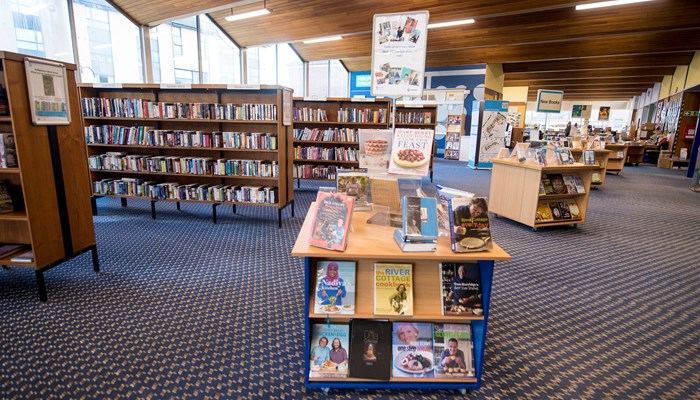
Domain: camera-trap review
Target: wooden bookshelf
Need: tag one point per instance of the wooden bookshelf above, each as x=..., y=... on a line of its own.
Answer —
x=617, y=158
x=324, y=116
x=514, y=192
x=419, y=116
x=369, y=244
x=206, y=123
x=52, y=214
x=601, y=167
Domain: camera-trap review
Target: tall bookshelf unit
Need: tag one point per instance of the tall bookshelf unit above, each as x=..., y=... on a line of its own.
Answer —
x=369, y=244
x=333, y=125
x=50, y=186
x=200, y=143
x=419, y=116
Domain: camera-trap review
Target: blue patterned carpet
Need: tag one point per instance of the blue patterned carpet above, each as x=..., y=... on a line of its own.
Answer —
x=184, y=308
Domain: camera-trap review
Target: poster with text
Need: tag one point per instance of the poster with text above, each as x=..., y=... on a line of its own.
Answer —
x=399, y=43
x=48, y=92
x=493, y=131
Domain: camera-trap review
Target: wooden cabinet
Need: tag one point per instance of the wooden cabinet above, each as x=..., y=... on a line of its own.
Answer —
x=617, y=157
x=206, y=143
x=368, y=244
x=50, y=184
x=326, y=133
x=600, y=169
x=515, y=191
x=635, y=153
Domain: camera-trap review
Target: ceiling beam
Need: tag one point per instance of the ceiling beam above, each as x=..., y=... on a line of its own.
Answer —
x=609, y=62
x=592, y=74
x=584, y=82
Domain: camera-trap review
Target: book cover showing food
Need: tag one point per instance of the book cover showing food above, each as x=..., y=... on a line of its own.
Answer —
x=564, y=208
x=331, y=221
x=411, y=151
x=556, y=211
x=328, y=357
x=335, y=287
x=469, y=225
x=375, y=149
x=544, y=213
x=420, y=222
x=412, y=350
x=370, y=349
x=5, y=200
x=453, y=347
x=574, y=210
x=357, y=185
x=393, y=289
x=461, y=289
x=547, y=184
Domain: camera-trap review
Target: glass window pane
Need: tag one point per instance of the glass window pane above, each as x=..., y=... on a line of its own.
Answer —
x=221, y=60
x=318, y=79
x=170, y=56
x=253, y=59
x=108, y=43
x=38, y=28
x=339, y=84
x=268, y=65
x=291, y=69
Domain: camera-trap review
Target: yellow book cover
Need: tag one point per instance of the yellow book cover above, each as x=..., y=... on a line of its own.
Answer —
x=393, y=289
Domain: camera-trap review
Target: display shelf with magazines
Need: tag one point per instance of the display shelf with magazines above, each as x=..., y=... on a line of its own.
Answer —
x=617, y=157
x=418, y=116
x=600, y=164
x=540, y=196
x=370, y=247
x=44, y=188
x=204, y=143
x=326, y=132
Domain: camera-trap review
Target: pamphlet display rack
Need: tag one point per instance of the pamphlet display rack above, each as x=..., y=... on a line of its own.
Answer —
x=369, y=244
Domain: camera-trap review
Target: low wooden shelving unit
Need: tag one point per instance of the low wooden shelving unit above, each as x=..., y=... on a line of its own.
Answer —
x=515, y=191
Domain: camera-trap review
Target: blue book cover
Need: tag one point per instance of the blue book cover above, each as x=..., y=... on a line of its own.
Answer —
x=420, y=221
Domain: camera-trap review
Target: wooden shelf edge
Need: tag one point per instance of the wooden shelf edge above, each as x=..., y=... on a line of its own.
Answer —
x=12, y=170
x=561, y=222
x=137, y=146
x=201, y=120
x=19, y=215
x=114, y=171
x=191, y=201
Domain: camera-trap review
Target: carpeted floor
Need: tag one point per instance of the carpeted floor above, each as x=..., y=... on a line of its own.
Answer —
x=184, y=308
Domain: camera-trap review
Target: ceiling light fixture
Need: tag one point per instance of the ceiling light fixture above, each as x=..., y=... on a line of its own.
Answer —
x=251, y=14
x=607, y=4
x=451, y=23
x=325, y=39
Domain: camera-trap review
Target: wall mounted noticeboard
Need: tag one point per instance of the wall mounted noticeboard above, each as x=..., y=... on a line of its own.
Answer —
x=47, y=86
x=399, y=44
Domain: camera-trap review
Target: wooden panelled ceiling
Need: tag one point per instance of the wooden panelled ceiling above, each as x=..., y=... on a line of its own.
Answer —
x=616, y=52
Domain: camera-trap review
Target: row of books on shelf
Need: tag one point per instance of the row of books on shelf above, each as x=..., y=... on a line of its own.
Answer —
x=309, y=171
x=140, y=108
x=370, y=115
x=309, y=114
x=557, y=211
x=416, y=117
x=561, y=184
x=19, y=253
x=335, y=291
x=452, y=136
x=326, y=153
x=120, y=161
x=329, y=135
x=192, y=191
x=8, y=151
x=148, y=136
x=380, y=350
x=452, y=154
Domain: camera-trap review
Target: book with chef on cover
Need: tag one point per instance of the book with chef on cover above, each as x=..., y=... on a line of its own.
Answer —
x=469, y=224
x=331, y=221
x=335, y=287
x=328, y=357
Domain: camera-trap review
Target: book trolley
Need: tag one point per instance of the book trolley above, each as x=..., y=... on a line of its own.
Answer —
x=368, y=244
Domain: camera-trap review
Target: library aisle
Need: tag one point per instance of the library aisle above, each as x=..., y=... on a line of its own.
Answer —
x=185, y=308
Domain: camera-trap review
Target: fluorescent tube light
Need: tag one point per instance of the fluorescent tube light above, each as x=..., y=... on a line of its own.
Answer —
x=250, y=14
x=451, y=23
x=325, y=39
x=607, y=4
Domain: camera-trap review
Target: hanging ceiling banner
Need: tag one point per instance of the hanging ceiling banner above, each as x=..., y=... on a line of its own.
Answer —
x=549, y=101
x=399, y=43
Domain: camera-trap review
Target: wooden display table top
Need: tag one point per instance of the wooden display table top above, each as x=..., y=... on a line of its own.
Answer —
x=377, y=242
x=545, y=168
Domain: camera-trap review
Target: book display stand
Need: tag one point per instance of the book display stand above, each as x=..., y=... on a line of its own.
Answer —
x=369, y=244
x=202, y=143
x=617, y=158
x=49, y=187
x=515, y=191
x=601, y=167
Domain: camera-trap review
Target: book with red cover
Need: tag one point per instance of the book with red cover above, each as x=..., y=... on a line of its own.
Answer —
x=331, y=222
